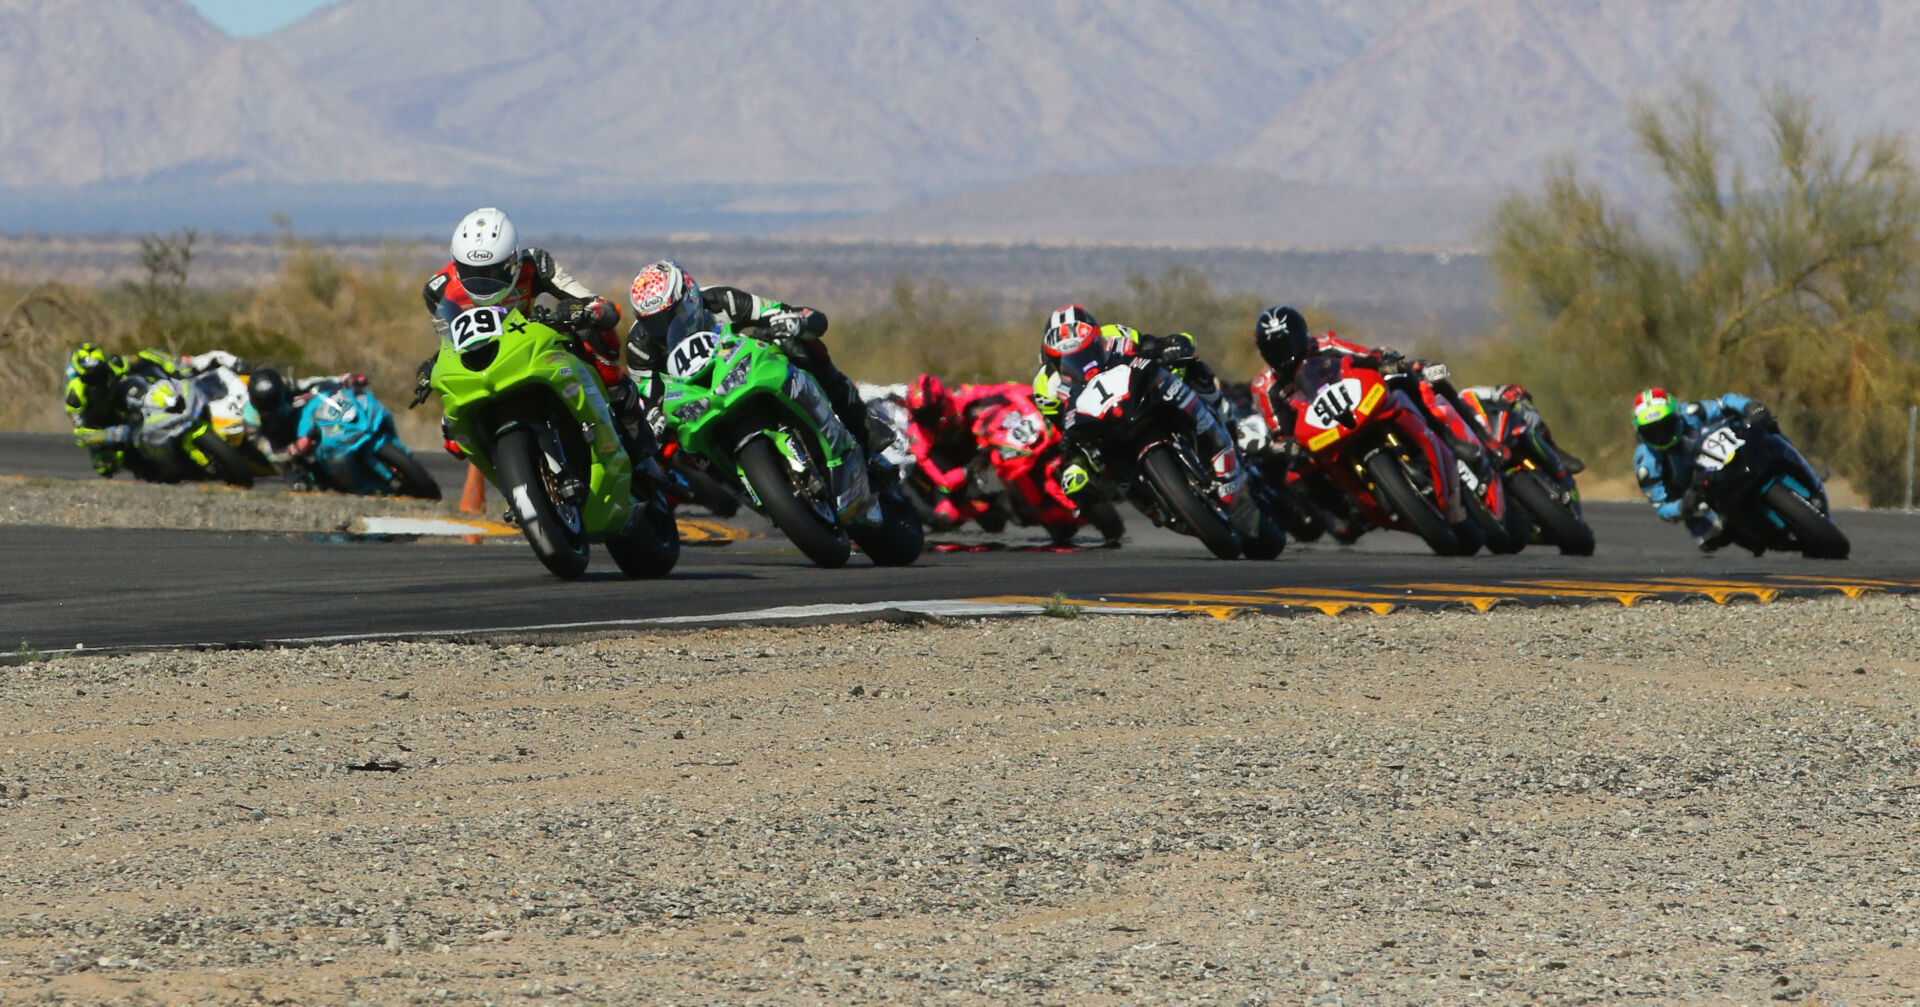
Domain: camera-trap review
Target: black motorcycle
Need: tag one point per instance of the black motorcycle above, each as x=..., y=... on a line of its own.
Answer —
x=1129, y=413
x=1537, y=479
x=1764, y=492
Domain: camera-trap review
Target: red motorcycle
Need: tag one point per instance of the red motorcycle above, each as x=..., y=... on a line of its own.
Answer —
x=1023, y=452
x=1375, y=443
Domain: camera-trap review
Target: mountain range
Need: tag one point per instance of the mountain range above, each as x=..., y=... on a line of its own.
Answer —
x=1304, y=122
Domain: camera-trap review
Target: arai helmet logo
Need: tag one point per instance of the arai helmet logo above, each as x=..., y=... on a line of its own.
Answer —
x=479, y=255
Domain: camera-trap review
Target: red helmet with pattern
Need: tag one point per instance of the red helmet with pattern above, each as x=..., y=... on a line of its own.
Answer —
x=928, y=400
x=666, y=301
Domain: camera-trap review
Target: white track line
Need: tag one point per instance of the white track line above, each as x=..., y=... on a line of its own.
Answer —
x=941, y=609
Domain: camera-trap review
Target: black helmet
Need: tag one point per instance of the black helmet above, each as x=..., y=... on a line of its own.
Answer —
x=268, y=392
x=1281, y=334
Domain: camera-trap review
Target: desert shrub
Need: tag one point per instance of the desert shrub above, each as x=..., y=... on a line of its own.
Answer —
x=1790, y=276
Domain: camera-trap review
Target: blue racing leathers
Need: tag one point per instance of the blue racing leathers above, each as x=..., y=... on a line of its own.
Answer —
x=1665, y=474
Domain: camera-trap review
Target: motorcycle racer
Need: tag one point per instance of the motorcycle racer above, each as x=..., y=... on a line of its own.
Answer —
x=941, y=436
x=95, y=405
x=1074, y=340
x=668, y=304
x=1281, y=335
x=1663, y=460
x=490, y=269
x=1519, y=401
x=279, y=402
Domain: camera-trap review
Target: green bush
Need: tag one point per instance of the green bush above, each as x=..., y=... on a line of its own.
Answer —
x=1793, y=280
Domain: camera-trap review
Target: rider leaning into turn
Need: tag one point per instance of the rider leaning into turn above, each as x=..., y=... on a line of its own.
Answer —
x=1662, y=461
x=669, y=305
x=490, y=269
x=940, y=434
x=1281, y=336
x=280, y=403
x=1073, y=341
x=96, y=404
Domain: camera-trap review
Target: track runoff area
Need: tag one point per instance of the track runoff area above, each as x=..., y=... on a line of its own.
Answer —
x=107, y=589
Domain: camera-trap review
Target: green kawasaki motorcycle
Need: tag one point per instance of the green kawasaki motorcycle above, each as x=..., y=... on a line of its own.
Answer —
x=741, y=404
x=534, y=417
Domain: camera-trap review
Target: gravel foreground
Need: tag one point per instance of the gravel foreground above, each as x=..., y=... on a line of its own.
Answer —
x=1668, y=803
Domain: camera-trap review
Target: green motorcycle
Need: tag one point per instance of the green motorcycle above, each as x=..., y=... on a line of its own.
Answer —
x=741, y=404
x=533, y=416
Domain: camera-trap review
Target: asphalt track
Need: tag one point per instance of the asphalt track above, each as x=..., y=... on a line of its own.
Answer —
x=121, y=588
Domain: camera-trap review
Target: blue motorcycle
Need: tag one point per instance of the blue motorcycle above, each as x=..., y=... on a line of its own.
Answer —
x=358, y=451
x=1764, y=491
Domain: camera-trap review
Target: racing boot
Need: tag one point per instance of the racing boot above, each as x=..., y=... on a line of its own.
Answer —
x=1230, y=488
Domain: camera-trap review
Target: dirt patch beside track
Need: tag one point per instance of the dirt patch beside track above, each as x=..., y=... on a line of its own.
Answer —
x=127, y=503
x=1667, y=802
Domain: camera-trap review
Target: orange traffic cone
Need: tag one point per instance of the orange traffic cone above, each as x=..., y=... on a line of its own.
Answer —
x=473, y=497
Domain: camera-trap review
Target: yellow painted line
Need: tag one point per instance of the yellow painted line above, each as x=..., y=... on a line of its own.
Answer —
x=1242, y=602
x=1512, y=587
x=696, y=531
x=1626, y=593
x=1217, y=611
x=1478, y=598
x=1721, y=591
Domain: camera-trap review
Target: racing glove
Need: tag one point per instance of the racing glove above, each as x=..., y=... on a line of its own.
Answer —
x=786, y=325
x=1758, y=415
x=423, y=381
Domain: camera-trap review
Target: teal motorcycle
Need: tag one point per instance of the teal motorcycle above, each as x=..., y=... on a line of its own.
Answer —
x=741, y=404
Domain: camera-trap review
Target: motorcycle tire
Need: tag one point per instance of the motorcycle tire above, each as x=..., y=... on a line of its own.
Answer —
x=652, y=548
x=1202, y=521
x=1493, y=531
x=898, y=539
x=1819, y=539
x=1392, y=482
x=822, y=542
x=707, y=491
x=1105, y=519
x=1271, y=539
x=519, y=462
x=410, y=478
x=994, y=520
x=1559, y=524
x=225, y=461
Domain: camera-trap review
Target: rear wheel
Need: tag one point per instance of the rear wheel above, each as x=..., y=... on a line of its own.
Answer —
x=1559, y=523
x=1819, y=539
x=1392, y=483
x=1493, y=530
x=1270, y=540
x=651, y=545
x=225, y=460
x=898, y=538
x=1105, y=518
x=820, y=539
x=554, y=530
x=1202, y=521
x=704, y=489
x=410, y=478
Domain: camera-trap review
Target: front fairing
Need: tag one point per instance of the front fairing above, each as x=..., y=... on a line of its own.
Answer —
x=168, y=410
x=525, y=373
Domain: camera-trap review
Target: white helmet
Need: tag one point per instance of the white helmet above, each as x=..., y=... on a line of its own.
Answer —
x=486, y=254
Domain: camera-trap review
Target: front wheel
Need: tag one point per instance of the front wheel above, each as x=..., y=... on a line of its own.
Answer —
x=820, y=539
x=1559, y=523
x=1203, y=522
x=898, y=539
x=1818, y=537
x=1391, y=482
x=555, y=531
x=410, y=478
x=650, y=546
x=224, y=460
x=1271, y=538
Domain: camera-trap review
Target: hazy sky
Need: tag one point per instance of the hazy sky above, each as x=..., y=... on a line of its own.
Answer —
x=253, y=17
